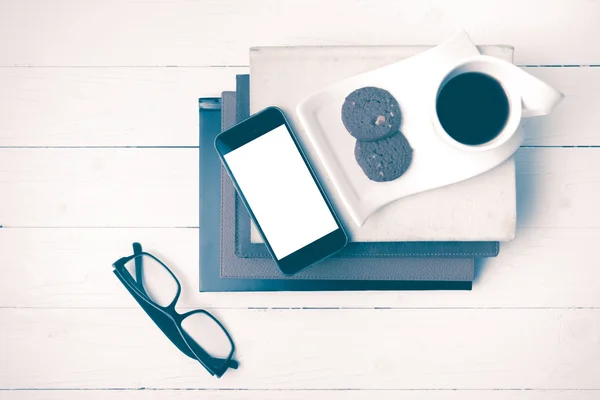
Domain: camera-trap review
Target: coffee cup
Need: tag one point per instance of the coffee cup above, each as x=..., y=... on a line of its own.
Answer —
x=480, y=102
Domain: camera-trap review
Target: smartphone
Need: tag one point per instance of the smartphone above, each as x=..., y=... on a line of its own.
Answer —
x=280, y=190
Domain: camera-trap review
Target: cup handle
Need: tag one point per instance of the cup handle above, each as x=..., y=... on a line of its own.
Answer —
x=537, y=97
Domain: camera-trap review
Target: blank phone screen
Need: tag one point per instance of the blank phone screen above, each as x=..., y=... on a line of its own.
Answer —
x=281, y=192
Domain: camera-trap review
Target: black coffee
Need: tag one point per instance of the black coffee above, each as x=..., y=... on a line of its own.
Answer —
x=472, y=108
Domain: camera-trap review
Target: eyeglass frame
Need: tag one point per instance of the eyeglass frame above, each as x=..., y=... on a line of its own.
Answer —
x=177, y=336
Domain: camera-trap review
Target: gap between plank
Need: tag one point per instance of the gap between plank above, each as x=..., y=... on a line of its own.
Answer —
x=592, y=146
x=124, y=66
x=297, y=390
x=247, y=66
x=314, y=308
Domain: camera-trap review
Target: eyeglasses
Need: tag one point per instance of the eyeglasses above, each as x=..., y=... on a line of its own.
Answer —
x=197, y=333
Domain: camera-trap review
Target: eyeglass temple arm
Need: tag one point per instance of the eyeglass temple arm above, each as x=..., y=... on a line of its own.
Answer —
x=200, y=352
x=139, y=266
x=233, y=364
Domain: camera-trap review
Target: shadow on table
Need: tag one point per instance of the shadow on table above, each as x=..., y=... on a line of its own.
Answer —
x=480, y=264
x=526, y=183
x=527, y=186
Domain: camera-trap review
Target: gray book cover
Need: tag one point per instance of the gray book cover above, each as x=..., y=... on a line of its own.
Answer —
x=354, y=267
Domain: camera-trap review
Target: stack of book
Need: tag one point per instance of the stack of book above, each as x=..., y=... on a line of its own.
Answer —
x=424, y=242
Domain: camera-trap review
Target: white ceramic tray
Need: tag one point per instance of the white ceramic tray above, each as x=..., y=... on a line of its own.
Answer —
x=414, y=83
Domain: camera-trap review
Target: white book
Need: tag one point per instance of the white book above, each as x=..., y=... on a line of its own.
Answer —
x=482, y=208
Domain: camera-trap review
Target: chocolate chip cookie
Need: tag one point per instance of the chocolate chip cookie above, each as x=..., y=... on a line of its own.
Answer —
x=371, y=113
x=384, y=160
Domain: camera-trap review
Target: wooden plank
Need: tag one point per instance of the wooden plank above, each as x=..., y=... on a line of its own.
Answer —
x=106, y=106
x=571, y=123
x=158, y=106
x=310, y=349
x=167, y=394
x=558, y=187
x=99, y=187
x=159, y=187
x=542, y=268
x=74, y=33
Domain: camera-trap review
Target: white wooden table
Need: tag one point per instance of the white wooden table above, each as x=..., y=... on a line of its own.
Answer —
x=98, y=136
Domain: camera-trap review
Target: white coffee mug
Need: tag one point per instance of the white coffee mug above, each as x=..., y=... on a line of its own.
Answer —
x=527, y=97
